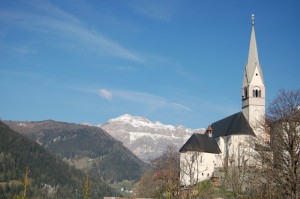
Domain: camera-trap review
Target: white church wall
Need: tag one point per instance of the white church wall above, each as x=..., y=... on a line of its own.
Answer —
x=196, y=167
x=222, y=145
x=236, y=150
x=241, y=150
x=254, y=111
x=257, y=119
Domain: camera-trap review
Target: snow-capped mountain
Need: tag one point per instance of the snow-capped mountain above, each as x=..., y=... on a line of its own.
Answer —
x=145, y=138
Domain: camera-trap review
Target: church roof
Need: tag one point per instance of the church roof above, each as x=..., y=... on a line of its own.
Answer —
x=201, y=143
x=235, y=124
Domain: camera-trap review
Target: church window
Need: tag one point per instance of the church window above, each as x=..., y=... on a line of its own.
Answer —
x=245, y=92
x=256, y=92
x=193, y=158
x=201, y=160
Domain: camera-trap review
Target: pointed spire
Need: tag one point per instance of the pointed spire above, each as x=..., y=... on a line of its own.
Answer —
x=253, y=88
x=253, y=60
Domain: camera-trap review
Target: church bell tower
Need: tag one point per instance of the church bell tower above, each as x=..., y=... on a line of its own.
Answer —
x=253, y=88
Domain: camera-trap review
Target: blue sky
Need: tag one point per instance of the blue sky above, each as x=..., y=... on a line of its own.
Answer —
x=176, y=61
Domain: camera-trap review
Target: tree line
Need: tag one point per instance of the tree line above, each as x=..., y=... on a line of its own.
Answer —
x=49, y=176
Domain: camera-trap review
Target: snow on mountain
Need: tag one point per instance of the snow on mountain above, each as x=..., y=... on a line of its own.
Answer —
x=141, y=122
x=145, y=138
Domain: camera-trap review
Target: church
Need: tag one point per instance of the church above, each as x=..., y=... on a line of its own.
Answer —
x=226, y=142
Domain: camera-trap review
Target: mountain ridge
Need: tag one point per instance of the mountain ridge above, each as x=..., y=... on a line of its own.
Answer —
x=86, y=147
x=145, y=138
x=49, y=175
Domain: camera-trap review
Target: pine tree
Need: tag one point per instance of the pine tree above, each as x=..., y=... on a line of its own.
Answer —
x=25, y=184
x=87, y=188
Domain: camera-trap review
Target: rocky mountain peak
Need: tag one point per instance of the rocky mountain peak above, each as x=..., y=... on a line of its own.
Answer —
x=145, y=138
x=139, y=122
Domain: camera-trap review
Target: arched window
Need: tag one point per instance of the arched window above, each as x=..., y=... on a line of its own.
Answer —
x=245, y=92
x=256, y=92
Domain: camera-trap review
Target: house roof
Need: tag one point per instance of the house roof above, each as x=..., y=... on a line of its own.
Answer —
x=201, y=143
x=235, y=124
x=209, y=128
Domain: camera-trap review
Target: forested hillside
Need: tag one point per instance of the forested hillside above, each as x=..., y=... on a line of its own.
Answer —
x=88, y=148
x=49, y=176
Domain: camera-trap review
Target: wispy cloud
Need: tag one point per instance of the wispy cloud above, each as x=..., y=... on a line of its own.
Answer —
x=49, y=19
x=162, y=10
x=152, y=101
x=148, y=100
x=105, y=94
x=20, y=49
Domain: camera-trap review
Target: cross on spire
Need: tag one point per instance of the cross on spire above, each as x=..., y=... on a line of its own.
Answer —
x=253, y=19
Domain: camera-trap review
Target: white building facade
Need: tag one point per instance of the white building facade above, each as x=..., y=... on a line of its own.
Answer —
x=196, y=167
x=198, y=158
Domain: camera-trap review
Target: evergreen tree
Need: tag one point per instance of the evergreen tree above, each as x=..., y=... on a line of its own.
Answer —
x=87, y=188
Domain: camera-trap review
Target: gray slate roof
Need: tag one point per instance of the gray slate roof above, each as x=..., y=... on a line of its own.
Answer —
x=201, y=143
x=235, y=124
